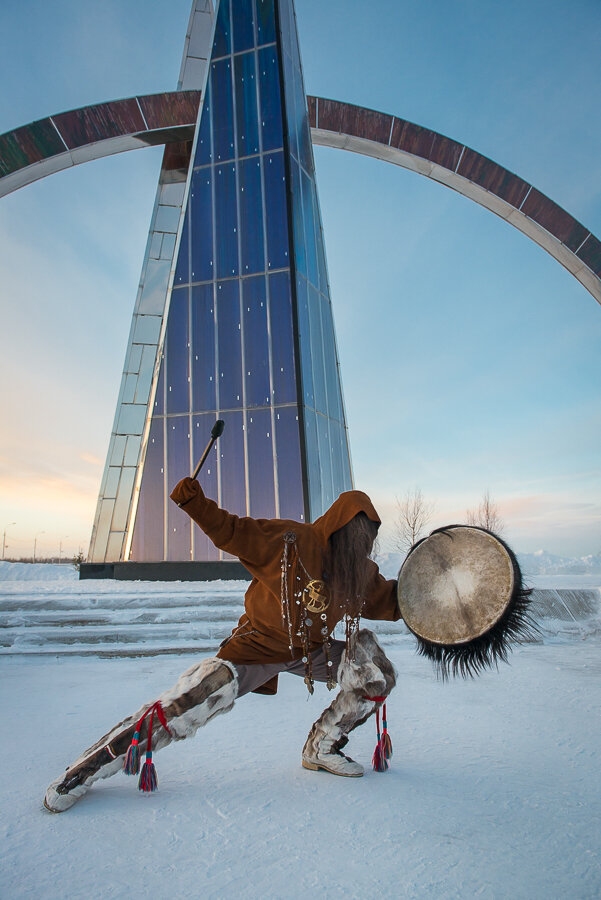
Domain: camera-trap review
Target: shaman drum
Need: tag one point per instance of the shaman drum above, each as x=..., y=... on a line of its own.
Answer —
x=460, y=592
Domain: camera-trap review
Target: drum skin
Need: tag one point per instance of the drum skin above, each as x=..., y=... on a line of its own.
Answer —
x=455, y=585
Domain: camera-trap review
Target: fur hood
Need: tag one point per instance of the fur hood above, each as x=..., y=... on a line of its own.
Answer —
x=342, y=511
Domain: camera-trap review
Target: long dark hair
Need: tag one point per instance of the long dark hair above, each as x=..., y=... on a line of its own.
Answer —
x=345, y=562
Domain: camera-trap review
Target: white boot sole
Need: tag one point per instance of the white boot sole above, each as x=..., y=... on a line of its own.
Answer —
x=315, y=766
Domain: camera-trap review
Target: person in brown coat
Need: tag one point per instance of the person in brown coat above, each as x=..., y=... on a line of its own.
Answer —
x=307, y=578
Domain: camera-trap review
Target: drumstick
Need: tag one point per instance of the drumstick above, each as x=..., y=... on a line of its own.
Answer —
x=216, y=432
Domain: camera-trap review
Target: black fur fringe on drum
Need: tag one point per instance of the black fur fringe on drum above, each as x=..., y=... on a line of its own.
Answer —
x=515, y=626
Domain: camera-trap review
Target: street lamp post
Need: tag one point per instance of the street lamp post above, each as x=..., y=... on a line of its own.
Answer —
x=60, y=547
x=4, y=538
x=35, y=542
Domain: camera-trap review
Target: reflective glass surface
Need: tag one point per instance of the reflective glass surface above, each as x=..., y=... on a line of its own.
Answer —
x=247, y=319
x=260, y=464
x=251, y=216
x=277, y=217
x=271, y=105
x=148, y=543
x=223, y=110
x=201, y=217
x=204, y=549
x=243, y=25
x=182, y=269
x=177, y=353
x=282, y=346
x=256, y=343
x=179, y=464
x=265, y=22
x=327, y=456
x=229, y=344
x=226, y=222
x=222, y=43
x=203, y=348
x=290, y=482
x=247, y=115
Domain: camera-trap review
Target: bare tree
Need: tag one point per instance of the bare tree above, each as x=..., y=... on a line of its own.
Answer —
x=413, y=516
x=486, y=515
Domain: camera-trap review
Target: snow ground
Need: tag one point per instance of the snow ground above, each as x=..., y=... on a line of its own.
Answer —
x=493, y=792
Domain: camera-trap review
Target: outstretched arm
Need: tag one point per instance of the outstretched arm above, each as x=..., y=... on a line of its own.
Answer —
x=254, y=541
x=381, y=600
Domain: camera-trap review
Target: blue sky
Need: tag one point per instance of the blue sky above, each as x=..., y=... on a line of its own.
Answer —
x=470, y=358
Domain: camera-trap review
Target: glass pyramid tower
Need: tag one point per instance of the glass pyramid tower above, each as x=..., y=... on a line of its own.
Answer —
x=233, y=318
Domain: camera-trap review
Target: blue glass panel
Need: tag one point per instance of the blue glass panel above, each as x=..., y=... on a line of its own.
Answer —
x=289, y=465
x=319, y=380
x=331, y=367
x=179, y=530
x=304, y=329
x=247, y=117
x=325, y=460
x=244, y=31
x=231, y=452
x=297, y=219
x=293, y=125
x=201, y=206
x=256, y=348
x=226, y=221
x=223, y=110
x=300, y=109
x=251, y=216
x=265, y=21
x=313, y=464
x=285, y=24
x=222, y=43
x=269, y=90
x=340, y=458
x=260, y=464
x=204, y=549
x=229, y=345
x=177, y=353
x=310, y=219
x=324, y=285
x=204, y=153
x=203, y=348
x=282, y=343
x=159, y=398
x=147, y=543
x=277, y=220
x=182, y=269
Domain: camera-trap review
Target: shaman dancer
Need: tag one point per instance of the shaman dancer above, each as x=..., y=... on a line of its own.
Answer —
x=306, y=579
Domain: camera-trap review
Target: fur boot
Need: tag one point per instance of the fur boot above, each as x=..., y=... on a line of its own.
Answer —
x=364, y=672
x=204, y=690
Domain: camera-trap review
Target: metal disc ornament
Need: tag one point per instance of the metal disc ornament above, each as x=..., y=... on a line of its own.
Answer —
x=315, y=596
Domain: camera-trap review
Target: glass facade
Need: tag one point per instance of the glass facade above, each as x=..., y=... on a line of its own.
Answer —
x=249, y=335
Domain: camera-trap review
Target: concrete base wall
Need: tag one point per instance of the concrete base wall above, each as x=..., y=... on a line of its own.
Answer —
x=166, y=571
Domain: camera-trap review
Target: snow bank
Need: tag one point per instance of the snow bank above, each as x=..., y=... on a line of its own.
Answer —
x=16, y=571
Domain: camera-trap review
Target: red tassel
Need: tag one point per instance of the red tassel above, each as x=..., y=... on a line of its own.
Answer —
x=148, y=776
x=383, y=750
x=131, y=763
x=386, y=745
x=386, y=742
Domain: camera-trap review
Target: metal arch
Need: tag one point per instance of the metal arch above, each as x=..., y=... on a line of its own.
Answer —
x=66, y=139
x=386, y=137
x=91, y=132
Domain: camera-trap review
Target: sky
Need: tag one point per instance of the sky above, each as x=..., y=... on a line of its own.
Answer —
x=470, y=358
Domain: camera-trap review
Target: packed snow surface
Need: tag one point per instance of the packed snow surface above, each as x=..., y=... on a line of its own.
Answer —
x=493, y=790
